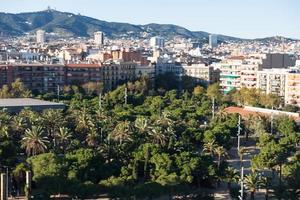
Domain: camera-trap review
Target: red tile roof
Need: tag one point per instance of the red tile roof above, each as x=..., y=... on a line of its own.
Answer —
x=246, y=113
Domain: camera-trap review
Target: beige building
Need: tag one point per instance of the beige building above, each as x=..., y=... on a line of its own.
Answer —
x=117, y=72
x=249, y=75
x=292, y=93
x=202, y=73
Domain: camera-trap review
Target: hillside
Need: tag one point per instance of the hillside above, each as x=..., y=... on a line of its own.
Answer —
x=83, y=26
x=69, y=24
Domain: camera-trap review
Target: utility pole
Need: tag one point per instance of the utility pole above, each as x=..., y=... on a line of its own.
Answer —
x=241, y=197
x=213, y=107
x=239, y=133
x=125, y=96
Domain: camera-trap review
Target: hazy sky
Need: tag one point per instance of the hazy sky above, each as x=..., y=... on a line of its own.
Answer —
x=241, y=18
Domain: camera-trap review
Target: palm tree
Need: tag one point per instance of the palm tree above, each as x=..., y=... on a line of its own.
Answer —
x=252, y=182
x=142, y=124
x=18, y=125
x=121, y=132
x=34, y=141
x=30, y=118
x=52, y=120
x=164, y=120
x=92, y=138
x=83, y=121
x=170, y=133
x=220, y=152
x=158, y=136
x=266, y=183
x=4, y=122
x=210, y=147
x=232, y=175
x=63, y=136
x=4, y=130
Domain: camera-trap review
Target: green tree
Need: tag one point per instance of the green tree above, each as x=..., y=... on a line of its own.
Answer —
x=220, y=152
x=198, y=90
x=34, y=141
x=252, y=182
x=232, y=175
x=63, y=137
x=210, y=147
x=213, y=91
x=122, y=132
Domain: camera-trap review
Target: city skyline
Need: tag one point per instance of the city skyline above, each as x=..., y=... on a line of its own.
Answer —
x=250, y=19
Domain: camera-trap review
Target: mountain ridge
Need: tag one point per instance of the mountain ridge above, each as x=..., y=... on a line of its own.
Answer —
x=70, y=24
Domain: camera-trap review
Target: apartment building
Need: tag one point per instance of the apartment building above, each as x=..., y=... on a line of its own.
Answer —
x=111, y=73
x=83, y=73
x=3, y=74
x=230, y=76
x=163, y=67
x=272, y=81
x=202, y=74
x=249, y=75
x=292, y=91
x=36, y=77
x=47, y=77
x=117, y=72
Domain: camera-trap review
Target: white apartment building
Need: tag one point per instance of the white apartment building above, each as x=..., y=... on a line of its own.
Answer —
x=169, y=67
x=157, y=42
x=145, y=70
x=230, y=76
x=272, y=81
x=40, y=36
x=99, y=38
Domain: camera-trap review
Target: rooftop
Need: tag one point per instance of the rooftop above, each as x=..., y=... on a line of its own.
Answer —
x=254, y=111
x=26, y=102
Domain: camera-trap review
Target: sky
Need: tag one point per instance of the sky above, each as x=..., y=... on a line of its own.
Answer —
x=240, y=18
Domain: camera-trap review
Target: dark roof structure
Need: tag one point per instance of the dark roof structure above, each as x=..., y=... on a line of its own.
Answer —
x=15, y=105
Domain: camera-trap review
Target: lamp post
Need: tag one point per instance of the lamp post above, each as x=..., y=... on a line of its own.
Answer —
x=239, y=133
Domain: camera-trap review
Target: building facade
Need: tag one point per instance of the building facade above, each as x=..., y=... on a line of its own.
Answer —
x=272, y=81
x=157, y=42
x=230, y=76
x=40, y=36
x=292, y=91
x=213, y=41
x=99, y=38
x=203, y=74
